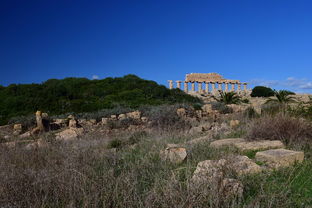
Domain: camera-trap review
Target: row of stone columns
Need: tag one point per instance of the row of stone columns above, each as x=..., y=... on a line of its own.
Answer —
x=213, y=86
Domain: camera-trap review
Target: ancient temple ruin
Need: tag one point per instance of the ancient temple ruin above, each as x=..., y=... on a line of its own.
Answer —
x=213, y=82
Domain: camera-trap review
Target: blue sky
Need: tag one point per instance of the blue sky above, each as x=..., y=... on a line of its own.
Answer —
x=259, y=41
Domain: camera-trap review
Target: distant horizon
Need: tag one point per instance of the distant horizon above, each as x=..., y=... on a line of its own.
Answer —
x=250, y=85
x=265, y=43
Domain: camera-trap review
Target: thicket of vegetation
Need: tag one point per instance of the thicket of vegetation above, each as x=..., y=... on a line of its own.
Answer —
x=83, y=95
x=261, y=91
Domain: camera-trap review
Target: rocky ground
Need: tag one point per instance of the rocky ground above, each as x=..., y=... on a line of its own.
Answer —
x=183, y=157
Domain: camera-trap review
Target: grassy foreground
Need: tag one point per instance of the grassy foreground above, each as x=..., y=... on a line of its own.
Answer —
x=135, y=176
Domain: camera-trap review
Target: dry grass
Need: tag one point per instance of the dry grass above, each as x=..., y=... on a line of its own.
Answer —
x=84, y=173
x=290, y=130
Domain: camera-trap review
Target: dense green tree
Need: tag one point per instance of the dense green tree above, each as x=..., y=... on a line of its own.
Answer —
x=261, y=91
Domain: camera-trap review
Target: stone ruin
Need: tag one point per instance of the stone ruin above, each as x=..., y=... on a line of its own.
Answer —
x=210, y=80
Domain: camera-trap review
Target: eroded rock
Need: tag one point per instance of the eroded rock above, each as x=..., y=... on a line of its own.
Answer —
x=259, y=145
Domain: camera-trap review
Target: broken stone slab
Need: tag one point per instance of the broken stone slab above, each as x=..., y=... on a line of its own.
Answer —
x=259, y=145
x=174, y=153
x=244, y=145
x=242, y=165
x=225, y=142
x=279, y=157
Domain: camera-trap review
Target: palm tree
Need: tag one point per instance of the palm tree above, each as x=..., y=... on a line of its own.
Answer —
x=282, y=97
x=228, y=97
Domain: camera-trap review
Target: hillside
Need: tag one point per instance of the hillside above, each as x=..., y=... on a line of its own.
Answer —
x=83, y=95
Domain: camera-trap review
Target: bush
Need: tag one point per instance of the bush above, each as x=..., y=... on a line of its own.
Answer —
x=290, y=130
x=82, y=95
x=261, y=91
x=221, y=107
x=165, y=117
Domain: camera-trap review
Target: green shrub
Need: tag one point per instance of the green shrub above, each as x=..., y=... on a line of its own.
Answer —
x=261, y=91
x=228, y=97
x=115, y=143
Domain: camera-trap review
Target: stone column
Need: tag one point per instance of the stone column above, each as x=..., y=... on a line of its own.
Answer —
x=220, y=86
x=179, y=84
x=238, y=87
x=232, y=87
x=207, y=87
x=39, y=121
x=226, y=87
x=170, y=84
x=245, y=86
x=186, y=87
x=193, y=86
x=200, y=86
x=213, y=86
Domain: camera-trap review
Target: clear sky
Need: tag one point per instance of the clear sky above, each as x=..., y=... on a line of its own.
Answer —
x=265, y=42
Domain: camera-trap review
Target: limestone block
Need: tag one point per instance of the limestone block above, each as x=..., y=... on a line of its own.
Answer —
x=279, y=157
x=72, y=123
x=181, y=112
x=122, y=116
x=234, y=123
x=144, y=119
x=242, y=165
x=174, y=153
x=92, y=121
x=113, y=117
x=17, y=129
x=105, y=121
x=226, y=142
x=207, y=108
x=199, y=113
x=134, y=115
x=259, y=145
x=209, y=171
